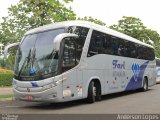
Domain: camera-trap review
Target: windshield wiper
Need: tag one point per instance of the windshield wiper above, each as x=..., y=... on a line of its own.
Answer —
x=33, y=56
x=53, y=54
x=27, y=59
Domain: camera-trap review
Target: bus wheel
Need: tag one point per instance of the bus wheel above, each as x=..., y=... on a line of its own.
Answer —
x=145, y=85
x=98, y=93
x=91, y=92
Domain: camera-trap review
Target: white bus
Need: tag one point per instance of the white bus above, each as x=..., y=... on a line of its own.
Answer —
x=158, y=70
x=76, y=60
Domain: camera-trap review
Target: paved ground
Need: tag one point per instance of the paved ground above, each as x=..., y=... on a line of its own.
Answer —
x=126, y=102
x=6, y=90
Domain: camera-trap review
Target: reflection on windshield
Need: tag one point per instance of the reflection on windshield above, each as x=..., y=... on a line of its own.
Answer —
x=35, y=57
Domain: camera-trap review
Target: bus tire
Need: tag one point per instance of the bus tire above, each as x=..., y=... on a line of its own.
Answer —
x=98, y=92
x=91, y=93
x=145, y=85
x=98, y=98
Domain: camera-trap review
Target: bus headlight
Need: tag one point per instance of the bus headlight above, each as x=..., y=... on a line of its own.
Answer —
x=60, y=81
x=49, y=86
x=15, y=86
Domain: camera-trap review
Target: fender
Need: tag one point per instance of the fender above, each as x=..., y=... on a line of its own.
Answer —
x=86, y=85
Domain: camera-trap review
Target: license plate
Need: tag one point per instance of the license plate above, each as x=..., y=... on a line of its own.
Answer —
x=29, y=97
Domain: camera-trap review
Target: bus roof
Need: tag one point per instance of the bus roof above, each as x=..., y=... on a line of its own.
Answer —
x=87, y=24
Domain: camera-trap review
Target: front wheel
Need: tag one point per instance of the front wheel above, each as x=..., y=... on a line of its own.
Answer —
x=145, y=85
x=91, y=92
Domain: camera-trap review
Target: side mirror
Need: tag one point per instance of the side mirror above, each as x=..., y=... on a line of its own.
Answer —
x=6, y=49
x=57, y=40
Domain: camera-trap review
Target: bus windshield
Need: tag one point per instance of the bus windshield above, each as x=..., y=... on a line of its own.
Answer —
x=35, y=57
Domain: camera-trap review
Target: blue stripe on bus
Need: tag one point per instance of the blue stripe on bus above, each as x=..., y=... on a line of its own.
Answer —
x=34, y=84
x=137, y=82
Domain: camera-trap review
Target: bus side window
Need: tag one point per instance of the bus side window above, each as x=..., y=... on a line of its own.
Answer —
x=98, y=44
x=93, y=46
x=114, y=45
x=69, y=55
x=82, y=33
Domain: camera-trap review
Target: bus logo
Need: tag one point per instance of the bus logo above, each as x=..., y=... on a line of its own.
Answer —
x=136, y=70
x=117, y=65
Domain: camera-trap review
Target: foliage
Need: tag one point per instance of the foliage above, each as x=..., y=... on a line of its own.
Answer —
x=93, y=20
x=5, y=71
x=134, y=27
x=129, y=25
x=28, y=14
x=7, y=63
x=6, y=97
x=6, y=79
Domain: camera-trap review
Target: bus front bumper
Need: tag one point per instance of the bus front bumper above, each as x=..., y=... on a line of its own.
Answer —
x=49, y=95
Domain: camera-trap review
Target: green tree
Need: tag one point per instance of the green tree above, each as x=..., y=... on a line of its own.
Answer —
x=129, y=25
x=0, y=35
x=135, y=28
x=93, y=20
x=28, y=14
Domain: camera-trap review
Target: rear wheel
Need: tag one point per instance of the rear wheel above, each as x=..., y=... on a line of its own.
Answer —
x=98, y=93
x=91, y=92
x=145, y=85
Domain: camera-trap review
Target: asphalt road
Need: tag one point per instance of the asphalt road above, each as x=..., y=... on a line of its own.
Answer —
x=123, y=103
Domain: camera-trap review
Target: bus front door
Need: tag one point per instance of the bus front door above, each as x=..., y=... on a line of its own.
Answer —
x=69, y=69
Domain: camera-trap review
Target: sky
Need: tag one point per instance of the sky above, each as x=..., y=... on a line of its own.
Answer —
x=109, y=11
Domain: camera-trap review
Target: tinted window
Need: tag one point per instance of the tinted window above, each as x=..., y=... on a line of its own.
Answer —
x=98, y=44
x=82, y=33
x=131, y=49
x=102, y=43
x=150, y=55
x=69, y=54
x=145, y=53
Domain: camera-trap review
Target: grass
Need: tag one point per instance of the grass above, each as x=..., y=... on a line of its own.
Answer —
x=6, y=97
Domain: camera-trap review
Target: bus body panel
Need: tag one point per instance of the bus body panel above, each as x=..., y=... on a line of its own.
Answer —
x=123, y=77
x=46, y=92
x=72, y=85
x=158, y=74
x=158, y=70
